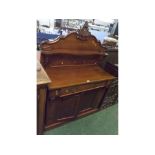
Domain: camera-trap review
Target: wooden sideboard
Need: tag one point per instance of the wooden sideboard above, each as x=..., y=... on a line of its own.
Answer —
x=78, y=83
x=75, y=91
x=42, y=81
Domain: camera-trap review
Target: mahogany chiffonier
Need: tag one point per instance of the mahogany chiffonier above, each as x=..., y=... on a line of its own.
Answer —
x=78, y=83
x=42, y=81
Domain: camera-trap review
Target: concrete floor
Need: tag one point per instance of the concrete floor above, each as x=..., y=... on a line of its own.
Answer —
x=104, y=122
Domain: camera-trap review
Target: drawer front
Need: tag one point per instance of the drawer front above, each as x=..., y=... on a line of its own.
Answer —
x=55, y=92
x=77, y=89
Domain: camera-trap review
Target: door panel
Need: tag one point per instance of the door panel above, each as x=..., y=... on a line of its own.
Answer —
x=86, y=100
x=51, y=111
x=61, y=109
x=67, y=108
x=90, y=100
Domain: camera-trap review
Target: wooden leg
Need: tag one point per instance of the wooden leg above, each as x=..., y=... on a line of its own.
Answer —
x=41, y=111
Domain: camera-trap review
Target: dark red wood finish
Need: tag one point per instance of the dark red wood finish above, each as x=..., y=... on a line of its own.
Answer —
x=78, y=83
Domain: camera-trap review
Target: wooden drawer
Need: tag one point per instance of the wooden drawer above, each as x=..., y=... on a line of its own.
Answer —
x=55, y=92
x=77, y=89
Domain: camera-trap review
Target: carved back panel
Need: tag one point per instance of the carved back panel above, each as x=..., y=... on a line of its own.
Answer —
x=76, y=48
x=73, y=42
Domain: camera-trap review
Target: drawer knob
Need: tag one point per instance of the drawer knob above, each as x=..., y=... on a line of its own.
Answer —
x=56, y=92
x=66, y=90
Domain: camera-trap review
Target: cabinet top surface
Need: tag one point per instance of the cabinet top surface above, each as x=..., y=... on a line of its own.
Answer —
x=42, y=77
x=64, y=76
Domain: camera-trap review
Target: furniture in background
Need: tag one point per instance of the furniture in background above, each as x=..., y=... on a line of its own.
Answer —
x=44, y=37
x=42, y=81
x=112, y=56
x=78, y=83
x=110, y=64
x=111, y=46
x=111, y=93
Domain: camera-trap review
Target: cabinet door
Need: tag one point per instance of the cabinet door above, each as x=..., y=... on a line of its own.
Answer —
x=61, y=109
x=51, y=110
x=90, y=100
x=67, y=108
